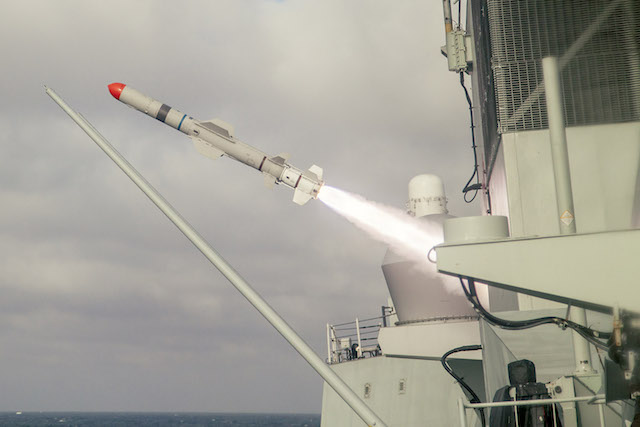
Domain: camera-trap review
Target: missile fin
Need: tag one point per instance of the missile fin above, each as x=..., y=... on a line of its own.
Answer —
x=219, y=126
x=206, y=149
x=280, y=159
x=300, y=197
x=316, y=170
x=269, y=180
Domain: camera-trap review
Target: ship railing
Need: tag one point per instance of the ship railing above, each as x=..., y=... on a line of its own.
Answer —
x=599, y=399
x=355, y=340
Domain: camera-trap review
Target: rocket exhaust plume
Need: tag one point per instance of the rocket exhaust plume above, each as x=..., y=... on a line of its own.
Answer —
x=407, y=236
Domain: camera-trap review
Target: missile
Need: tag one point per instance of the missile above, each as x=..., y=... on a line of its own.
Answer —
x=215, y=138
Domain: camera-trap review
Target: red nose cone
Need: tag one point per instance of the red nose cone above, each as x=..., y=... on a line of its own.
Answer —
x=116, y=89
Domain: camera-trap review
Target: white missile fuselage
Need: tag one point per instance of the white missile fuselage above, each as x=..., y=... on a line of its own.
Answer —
x=215, y=138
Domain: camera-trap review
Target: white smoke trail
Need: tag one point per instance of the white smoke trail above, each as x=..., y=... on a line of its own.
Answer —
x=407, y=236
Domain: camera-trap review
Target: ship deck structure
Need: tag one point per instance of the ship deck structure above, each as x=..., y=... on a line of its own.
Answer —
x=555, y=105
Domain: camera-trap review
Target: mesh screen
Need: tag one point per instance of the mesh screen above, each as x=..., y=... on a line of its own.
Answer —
x=598, y=45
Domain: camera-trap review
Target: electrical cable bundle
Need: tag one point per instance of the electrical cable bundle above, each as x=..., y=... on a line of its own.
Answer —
x=474, y=396
x=477, y=186
x=591, y=335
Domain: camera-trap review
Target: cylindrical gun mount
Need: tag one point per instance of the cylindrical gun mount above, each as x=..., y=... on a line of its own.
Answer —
x=340, y=387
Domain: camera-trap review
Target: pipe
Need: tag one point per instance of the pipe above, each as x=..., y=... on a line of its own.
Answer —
x=448, y=21
x=340, y=387
x=564, y=193
x=559, y=151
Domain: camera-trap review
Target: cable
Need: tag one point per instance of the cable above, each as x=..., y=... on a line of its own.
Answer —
x=477, y=186
x=474, y=396
x=589, y=334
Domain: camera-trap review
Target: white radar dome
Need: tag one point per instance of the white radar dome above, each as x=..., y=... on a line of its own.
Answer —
x=426, y=196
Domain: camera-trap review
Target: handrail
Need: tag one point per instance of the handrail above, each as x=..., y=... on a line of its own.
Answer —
x=354, y=340
x=598, y=399
x=593, y=400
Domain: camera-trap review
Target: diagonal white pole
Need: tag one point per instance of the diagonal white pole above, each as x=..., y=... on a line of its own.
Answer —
x=340, y=387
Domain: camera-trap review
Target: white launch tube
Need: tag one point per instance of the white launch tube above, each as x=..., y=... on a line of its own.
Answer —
x=340, y=387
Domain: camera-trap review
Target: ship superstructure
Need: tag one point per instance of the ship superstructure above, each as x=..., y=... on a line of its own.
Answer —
x=567, y=257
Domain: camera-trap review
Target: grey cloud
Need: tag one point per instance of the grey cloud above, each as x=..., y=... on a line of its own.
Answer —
x=105, y=306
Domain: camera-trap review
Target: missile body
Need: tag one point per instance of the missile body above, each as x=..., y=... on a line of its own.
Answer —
x=215, y=138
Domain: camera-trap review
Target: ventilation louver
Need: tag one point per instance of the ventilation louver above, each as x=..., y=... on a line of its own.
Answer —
x=598, y=46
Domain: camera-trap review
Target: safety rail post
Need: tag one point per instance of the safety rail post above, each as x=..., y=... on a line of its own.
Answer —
x=601, y=415
x=462, y=412
x=359, y=339
x=334, y=345
x=328, y=345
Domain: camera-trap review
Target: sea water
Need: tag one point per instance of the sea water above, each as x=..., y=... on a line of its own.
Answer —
x=121, y=419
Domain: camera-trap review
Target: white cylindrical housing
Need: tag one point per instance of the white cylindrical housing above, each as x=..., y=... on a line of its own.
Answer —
x=426, y=196
x=153, y=108
x=470, y=229
x=290, y=176
x=309, y=186
x=140, y=101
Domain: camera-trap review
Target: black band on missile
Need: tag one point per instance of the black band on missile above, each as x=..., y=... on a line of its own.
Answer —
x=298, y=181
x=162, y=113
x=262, y=163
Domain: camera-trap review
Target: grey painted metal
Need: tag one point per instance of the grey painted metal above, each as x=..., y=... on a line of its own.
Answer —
x=564, y=192
x=429, y=397
x=606, y=190
x=559, y=151
x=359, y=407
x=592, y=270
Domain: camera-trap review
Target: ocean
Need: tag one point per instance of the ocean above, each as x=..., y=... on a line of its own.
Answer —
x=122, y=419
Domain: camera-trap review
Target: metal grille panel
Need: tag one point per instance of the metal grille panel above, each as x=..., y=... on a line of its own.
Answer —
x=598, y=43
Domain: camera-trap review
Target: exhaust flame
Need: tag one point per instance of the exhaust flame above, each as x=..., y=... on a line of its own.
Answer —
x=407, y=236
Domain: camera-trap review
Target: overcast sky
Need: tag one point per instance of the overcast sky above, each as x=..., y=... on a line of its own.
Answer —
x=104, y=305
